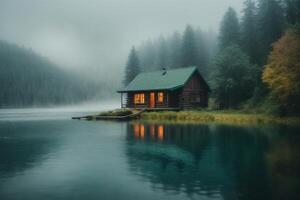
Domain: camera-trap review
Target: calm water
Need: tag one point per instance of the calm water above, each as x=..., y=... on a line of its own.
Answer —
x=45, y=155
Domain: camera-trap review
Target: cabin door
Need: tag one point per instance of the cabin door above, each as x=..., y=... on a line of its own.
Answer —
x=152, y=100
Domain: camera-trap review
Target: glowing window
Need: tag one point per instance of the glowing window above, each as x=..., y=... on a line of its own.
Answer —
x=160, y=97
x=139, y=98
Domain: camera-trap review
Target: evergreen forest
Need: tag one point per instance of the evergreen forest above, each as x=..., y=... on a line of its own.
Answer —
x=252, y=63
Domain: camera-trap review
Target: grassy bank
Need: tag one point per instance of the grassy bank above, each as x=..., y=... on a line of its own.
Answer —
x=228, y=117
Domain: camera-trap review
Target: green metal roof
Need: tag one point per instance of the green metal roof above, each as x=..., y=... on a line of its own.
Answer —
x=157, y=80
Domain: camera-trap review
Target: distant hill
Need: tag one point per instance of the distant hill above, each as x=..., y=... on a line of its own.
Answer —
x=27, y=79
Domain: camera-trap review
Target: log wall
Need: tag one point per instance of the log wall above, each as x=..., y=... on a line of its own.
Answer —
x=193, y=94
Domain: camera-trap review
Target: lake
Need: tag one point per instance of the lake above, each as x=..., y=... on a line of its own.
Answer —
x=46, y=155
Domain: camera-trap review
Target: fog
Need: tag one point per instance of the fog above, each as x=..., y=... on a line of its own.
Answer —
x=96, y=35
x=56, y=112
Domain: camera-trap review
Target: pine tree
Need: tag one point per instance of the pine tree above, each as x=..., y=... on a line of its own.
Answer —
x=162, y=53
x=211, y=41
x=132, y=67
x=292, y=10
x=229, y=30
x=189, y=48
x=28, y=79
x=174, y=56
x=202, y=52
x=270, y=25
x=194, y=48
x=249, y=31
x=231, y=80
x=147, y=56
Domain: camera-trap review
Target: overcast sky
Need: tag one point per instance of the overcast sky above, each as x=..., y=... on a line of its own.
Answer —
x=98, y=34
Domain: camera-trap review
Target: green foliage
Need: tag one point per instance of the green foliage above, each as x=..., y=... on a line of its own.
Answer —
x=227, y=117
x=28, y=79
x=249, y=37
x=116, y=112
x=270, y=25
x=132, y=67
x=189, y=48
x=162, y=54
x=174, y=57
x=232, y=81
x=292, y=8
x=229, y=30
x=192, y=48
x=236, y=73
x=202, y=52
x=148, y=55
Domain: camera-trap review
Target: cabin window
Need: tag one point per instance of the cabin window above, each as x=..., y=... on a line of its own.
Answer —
x=139, y=98
x=160, y=97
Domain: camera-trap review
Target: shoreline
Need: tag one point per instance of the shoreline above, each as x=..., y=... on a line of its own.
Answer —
x=225, y=117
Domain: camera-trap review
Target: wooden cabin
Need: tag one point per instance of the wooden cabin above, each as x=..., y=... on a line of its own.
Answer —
x=166, y=89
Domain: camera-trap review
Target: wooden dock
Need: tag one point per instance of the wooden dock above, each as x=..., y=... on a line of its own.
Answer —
x=134, y=115
x=120, y=118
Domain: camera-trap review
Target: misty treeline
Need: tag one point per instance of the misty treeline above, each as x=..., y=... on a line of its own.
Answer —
x=28, y=79
x=240, y=63
x=192, y=47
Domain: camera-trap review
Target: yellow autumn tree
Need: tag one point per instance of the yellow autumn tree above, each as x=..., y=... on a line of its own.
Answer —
x=282, y=73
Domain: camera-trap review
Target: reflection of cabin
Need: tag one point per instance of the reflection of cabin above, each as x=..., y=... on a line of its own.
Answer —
x=177, y=88
x=155, y=131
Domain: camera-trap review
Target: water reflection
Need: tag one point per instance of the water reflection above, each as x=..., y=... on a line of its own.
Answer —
x=175, y=158
x=25, y=145
x=284, y=166
x=67, y=159
x=227, y=161
x=155, y=132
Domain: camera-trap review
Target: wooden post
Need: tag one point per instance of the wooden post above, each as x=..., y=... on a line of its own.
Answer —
x=167, y=98
x=121, y=99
